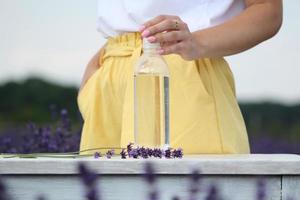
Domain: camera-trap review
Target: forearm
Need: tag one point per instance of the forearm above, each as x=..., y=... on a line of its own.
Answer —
x=91, y=67
x=259, y=21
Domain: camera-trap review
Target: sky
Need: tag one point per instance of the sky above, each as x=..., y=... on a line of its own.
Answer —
x=55, y=39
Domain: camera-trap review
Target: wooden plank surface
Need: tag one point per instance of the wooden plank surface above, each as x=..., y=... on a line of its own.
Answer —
x=128, y=187
x=290, y=187
x=269, y=164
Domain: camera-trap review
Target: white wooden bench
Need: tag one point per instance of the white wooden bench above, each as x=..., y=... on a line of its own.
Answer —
x=234, y=175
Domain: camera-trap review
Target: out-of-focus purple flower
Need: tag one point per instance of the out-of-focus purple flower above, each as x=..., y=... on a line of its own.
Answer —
x=3, y=194
x=89, y=179
x=149, y=175
x=97, y=154
x=260, y=189
x=195, y=176
x=40, y=197
x=66, y=122
x=177, y=153
x=153, y=195
x=213, y=193
x=194, y=184
x=110, y=153
x=123, y=154
x=41, y=139
x=175, y=198
x=64, y=113
x=53, y=111
x=92, y=194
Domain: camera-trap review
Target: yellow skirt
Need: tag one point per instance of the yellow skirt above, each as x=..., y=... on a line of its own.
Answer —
x=204, y=114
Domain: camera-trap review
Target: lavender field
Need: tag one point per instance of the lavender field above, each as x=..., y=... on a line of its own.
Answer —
x=38, y=116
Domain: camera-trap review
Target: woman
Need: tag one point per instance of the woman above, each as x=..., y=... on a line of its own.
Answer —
x=194, y=36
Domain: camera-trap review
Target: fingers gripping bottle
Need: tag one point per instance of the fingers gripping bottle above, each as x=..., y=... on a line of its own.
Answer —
x=151, y=99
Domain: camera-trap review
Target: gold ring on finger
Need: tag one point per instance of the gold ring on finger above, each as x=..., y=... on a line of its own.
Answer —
x=176, y=25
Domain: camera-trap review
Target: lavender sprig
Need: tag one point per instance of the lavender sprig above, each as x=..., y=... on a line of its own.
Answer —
x=97, y=154
x=129, y=147
x=167, y=153
x=110, y=153
x=133, y=153
x=123, y=154
x=177, y=153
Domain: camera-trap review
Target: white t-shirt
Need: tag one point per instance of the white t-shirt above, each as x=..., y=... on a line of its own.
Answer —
x=118, y=16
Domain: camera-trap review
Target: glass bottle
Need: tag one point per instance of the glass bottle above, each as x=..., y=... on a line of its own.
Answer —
x=151, y=99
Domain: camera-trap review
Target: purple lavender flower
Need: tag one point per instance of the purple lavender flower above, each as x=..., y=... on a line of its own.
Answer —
x=167, y=152
x=194, y=184
x=213, y=193
x=129, y=146
x=123, y=154
x=149, y=175
x=53, y=111
x=261, y=189
x=3, y=194
x=195, y=176
x=143, y=152
x=66, y=122
x=110, y=153
x=175, y=198
x=92, y=194
x=157, y=153
x=177, y=153
x=89, y=179
x=133, y=153
x=97, y=154
x=149, y=152
x=40, y=197
x=153, y=195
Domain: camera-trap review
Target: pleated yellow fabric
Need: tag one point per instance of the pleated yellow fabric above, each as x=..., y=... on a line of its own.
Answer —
x=204, y=114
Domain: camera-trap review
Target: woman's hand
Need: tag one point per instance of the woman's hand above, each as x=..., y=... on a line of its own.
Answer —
x=260, y=21
x=173, y=34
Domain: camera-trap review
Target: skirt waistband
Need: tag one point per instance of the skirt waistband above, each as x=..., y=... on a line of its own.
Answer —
x=127, y=44
x=132, y=39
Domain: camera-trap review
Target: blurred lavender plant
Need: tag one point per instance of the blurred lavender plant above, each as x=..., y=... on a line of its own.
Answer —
x=123, y=154
x=89, y=179
x=261, y=189
x=150, y=178
x=43, y=139
x=194, y=184
x=213, y=193
x=40, y=197
x=3, y=193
